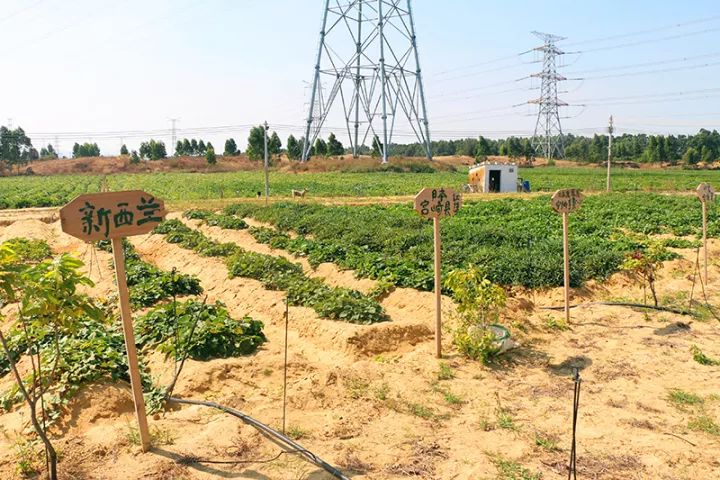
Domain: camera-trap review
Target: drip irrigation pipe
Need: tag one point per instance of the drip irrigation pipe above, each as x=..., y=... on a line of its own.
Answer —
x=274, y=436
x=625, y=304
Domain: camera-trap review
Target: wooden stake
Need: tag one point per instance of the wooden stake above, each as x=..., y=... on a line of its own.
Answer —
x=134, y=369
x=566, y=254
x=438, y=290
x=705, y=246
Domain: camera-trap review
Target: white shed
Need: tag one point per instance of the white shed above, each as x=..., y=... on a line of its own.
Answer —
x=494, y=177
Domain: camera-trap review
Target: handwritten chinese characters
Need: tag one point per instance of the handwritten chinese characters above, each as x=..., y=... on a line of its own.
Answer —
x=437, y=202
x=102, y=216
x=566, y=201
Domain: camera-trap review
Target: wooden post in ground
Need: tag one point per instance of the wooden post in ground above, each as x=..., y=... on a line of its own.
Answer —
x=438, y=289
x=564, y=202
x=126, y=317
x=436, y=203
x=705, y=194
x=115, y=216
x=566, y=273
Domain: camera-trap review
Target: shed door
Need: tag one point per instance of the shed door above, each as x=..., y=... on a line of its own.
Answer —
x=494, y=181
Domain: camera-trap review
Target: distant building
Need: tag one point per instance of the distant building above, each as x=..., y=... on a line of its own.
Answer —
x=494, y=177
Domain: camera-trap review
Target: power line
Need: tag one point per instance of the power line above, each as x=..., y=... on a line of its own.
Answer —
x=643, y=32
x=646, y=64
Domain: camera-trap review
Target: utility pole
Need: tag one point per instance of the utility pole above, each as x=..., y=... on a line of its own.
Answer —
x=57, y=146
x=377, y=79
x=548, y=137
x=173, y=121
x=10, y=125
x=610, y=140
x=267, y=164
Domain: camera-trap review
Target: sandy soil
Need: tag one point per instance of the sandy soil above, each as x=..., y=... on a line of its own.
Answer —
x=369, y=398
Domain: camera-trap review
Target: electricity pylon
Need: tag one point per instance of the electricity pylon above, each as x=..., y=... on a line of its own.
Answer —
x=368, y=48
x=548, y=137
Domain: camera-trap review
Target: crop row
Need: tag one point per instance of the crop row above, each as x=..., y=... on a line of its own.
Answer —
x=21, y=192
x=516, y=242
x=277, y=273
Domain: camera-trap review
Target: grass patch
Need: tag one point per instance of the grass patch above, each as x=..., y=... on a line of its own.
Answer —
x=510, y=470
x=453, y=399
x=701, y=358
x=356, y=387
x=705, y=424
x=420, y=410
x=506, y=421
x=546, y=442
x=296, y=433
x=382, y=392
x=446, y=372
x=680, y=398
x=158, y=436
x=559, y=324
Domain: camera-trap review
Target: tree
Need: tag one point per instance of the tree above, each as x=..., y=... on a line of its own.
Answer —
x=334, y=147
x=48, y=152
x=186, y=147
x=49, y=306
x=294, y=149
x=179, y=148
x=691, y=157
x=256, y=143
x=86, y=150
x=153, y=150
x=274, y=144
x=194, y=150
x=706, y=154
x=210, y=155
x=202, y=148
x=15, y=146
x=320, y=148
x=123, y=150
x=377, y=147
x=134, y=157
x=230, y=148
x=483, y=150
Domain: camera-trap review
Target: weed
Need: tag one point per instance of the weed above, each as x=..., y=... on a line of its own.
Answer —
x=297, y=433
x=381, y=393
x=421, y=411
x=510, y=470
x=29, y=461
x=701, y=358
x=356, y=387
x=267, y=372
x=453, y=399
x=446, y=372
x=506, y=421
x=705, y=424
x=546, y=442
x=158, y=436
x=680, y=398
x=552, y=323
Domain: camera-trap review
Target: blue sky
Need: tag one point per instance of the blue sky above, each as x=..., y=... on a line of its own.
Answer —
x=99, y=66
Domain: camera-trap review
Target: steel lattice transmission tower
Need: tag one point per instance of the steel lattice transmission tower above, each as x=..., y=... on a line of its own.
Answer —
x=548, y=137
x=368, y=49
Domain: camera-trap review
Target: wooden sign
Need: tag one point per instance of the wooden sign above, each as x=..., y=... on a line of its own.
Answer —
x=102, y=216
x=436, y=203
x=706, y=193
x=567, y=201
x=115, y=215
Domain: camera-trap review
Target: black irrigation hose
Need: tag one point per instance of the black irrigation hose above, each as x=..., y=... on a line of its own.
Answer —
x=625, y=304
x=572, y=469
x=274, y=436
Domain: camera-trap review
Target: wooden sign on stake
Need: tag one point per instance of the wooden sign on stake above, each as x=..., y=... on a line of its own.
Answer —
x=706, y=194
x=565, y=202
x=436, y=203
x=114, y=216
